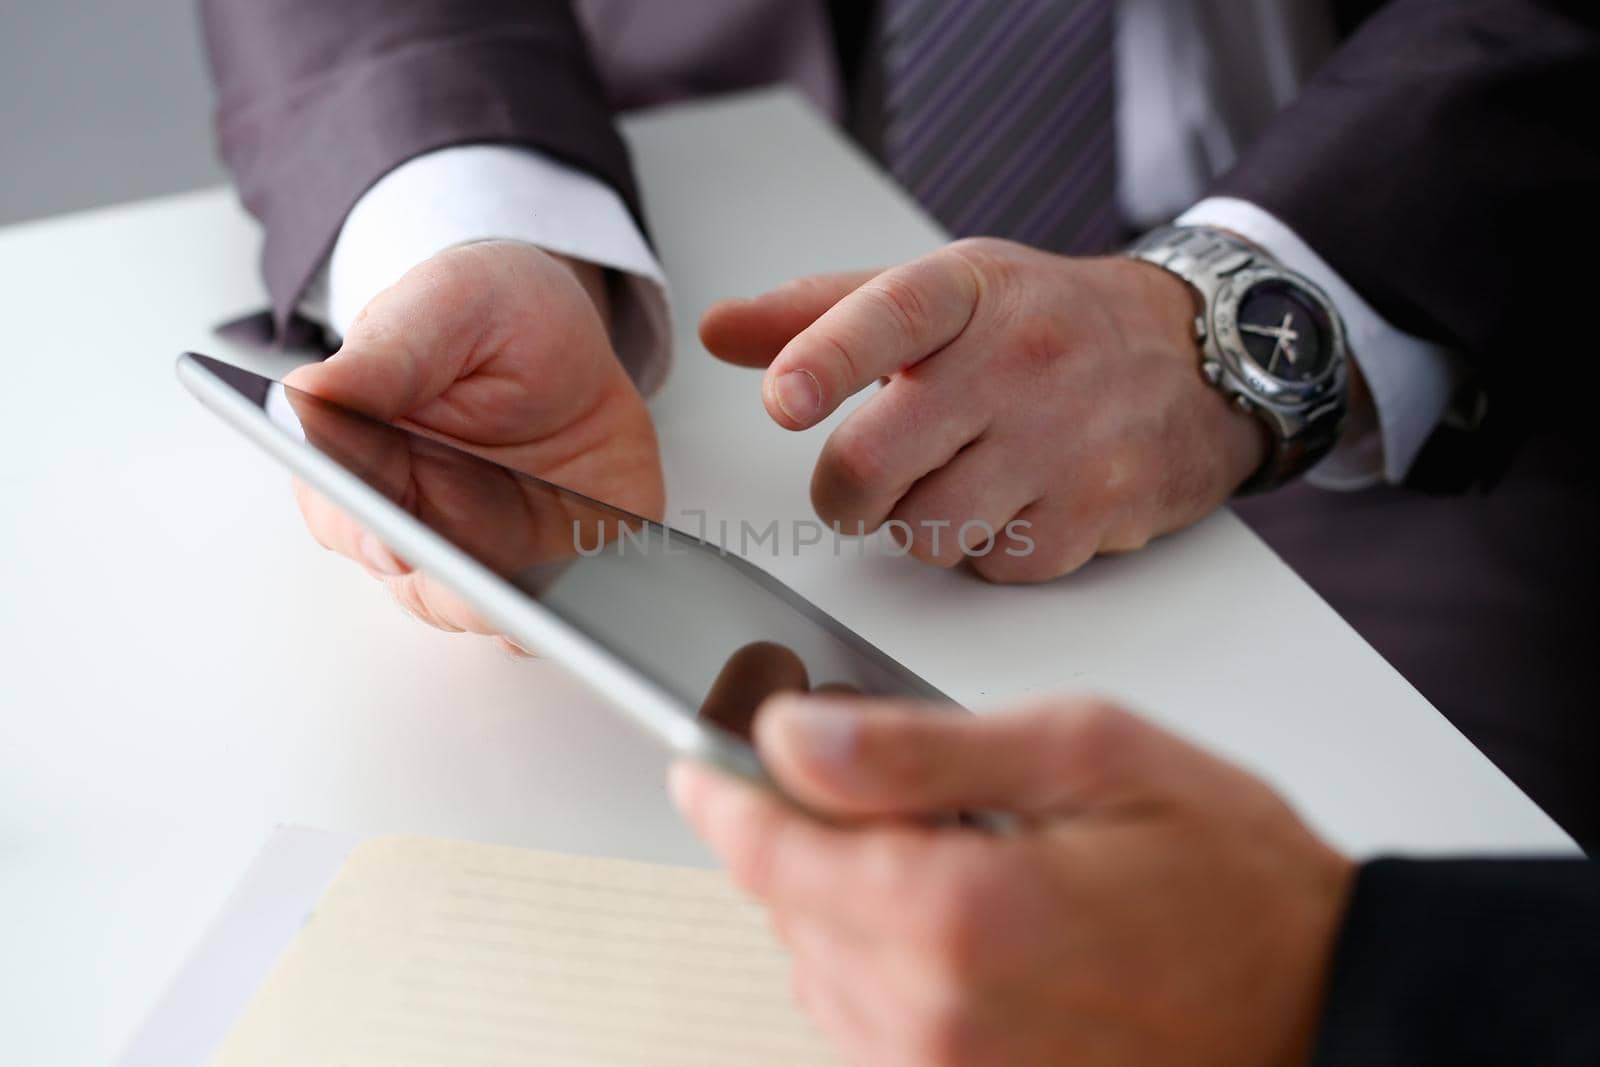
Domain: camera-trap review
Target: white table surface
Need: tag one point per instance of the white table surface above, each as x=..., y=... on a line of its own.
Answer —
x=181, y=667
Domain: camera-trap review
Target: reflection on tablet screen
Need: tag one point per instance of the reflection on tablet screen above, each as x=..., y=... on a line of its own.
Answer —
x=706, y=627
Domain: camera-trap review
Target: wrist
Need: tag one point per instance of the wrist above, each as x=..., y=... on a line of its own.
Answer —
x=1272, y=342
x=1242, y=441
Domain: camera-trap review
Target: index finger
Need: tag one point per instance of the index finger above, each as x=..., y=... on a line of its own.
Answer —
x=890, y=322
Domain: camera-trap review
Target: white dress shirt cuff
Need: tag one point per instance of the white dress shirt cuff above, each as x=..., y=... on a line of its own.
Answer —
x=454, y=196
x=1410, y=380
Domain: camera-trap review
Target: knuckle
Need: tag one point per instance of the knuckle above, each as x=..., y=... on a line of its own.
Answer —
x=947, y=555
x=1097, y=734
x=967, y=245
x=451, y=277
x=1007, y=570
x=934, y=540
x=458, y=270
x=1131, y=540
x=852, y=461
x=992, y=260
x=835, y=350
x=454, y=289
x=1000, y=570
x=1052, y=555
x=1073, y=540
x=987, y=265
x=1128, y=534
x=981, y=249
x=898, y=299
x=1074, y=559
x=1121, y=473
x=373, y=326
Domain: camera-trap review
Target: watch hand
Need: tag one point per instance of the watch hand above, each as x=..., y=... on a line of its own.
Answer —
x=1267, y=331
x=1287, y=337
x=1285, y=345
x=1284, y=335
x=1272, y=363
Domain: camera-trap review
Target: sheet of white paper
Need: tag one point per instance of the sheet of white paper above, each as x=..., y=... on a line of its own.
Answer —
x=258, y=922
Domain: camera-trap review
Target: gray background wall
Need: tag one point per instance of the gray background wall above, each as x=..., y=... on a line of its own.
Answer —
x=100, y=101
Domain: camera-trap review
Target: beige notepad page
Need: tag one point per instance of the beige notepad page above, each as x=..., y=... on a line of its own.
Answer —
x=430, y=952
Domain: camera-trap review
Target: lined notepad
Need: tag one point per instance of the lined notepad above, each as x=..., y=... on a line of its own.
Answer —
x=428, y=952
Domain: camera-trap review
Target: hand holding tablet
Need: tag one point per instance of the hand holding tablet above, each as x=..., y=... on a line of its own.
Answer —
x=495, y=348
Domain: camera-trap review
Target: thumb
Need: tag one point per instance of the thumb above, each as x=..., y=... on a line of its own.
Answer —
x=411, y=341
x=898, y=758
x=751, y=332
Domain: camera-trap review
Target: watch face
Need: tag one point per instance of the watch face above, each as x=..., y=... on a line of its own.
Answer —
x=1285, y=331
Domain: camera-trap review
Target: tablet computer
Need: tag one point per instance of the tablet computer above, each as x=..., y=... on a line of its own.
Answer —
x=681, y=637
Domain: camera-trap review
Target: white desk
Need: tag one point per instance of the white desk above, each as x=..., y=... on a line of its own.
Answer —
x=181, y=667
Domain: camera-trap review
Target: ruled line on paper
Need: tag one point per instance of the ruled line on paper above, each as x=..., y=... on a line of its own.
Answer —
x=435, y=952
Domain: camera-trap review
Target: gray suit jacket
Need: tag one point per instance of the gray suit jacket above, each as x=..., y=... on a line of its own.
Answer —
x=1446, y=150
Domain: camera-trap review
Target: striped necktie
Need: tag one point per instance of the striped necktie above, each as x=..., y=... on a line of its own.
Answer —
x=999, y=117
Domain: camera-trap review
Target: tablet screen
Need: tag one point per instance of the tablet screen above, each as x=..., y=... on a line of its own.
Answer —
x=708, y=628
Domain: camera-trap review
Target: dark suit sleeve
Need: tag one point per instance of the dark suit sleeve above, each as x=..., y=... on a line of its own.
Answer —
x=318, y=99
x=1445, y=161
x=1460, y=963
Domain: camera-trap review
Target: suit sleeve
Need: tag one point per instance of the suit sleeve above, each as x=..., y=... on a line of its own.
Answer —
x=1467, y=963
x=1445, y=162
x=317, y=100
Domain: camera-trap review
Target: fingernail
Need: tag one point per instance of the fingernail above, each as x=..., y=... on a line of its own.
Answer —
x=799, y=395
x=380, y=558
x=824, y=732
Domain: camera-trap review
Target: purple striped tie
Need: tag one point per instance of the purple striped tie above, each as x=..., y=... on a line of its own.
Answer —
x=999, y=117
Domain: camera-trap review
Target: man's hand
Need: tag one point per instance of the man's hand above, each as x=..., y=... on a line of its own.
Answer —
x=497, y=348
x=1155, y=905
x=1019, y=384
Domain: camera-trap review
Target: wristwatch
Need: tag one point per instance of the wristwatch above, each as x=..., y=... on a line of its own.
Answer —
x=1270, y=341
